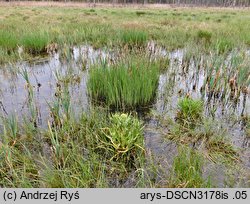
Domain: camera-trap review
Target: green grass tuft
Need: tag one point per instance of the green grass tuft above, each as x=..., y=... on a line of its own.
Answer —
x=204, y=36
x=35, y=43
x=189, y=111
x=126, y=85
x=8, y=40
x=187, y=170
x=134, y=38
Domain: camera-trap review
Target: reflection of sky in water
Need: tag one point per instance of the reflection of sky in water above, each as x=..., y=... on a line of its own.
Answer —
x=14, y=94
x=173, y=84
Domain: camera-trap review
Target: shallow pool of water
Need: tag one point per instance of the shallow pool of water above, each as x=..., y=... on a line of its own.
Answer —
x=46, y=75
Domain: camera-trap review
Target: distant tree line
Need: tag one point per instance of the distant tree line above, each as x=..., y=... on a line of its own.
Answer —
x=224, y=3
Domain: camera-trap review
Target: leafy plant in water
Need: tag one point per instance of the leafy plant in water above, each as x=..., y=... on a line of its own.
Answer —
x=123, y=139
x=54, y=108
x=25, y=75
x=31, y=100
x=65, y=101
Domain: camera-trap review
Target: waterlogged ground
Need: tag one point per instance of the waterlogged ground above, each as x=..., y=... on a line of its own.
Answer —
x=48, y=76
x=228, y=114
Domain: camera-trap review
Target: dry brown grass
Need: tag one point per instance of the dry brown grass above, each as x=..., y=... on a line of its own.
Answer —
x=106, y=5
x=63, y=4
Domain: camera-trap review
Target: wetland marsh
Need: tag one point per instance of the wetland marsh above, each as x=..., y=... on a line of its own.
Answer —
x=124, y=97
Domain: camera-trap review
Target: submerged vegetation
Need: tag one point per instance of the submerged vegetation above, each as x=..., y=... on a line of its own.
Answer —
x=114, y=106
